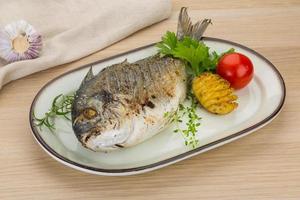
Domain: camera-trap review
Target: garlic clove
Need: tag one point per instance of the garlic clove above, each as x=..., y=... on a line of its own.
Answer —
x=19, y=41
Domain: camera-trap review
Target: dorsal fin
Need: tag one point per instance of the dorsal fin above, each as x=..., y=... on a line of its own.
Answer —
x=88, y=76
x=125, y=62
x=186, y=28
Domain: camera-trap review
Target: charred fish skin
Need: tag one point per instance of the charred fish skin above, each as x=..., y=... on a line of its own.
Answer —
x=124, y=104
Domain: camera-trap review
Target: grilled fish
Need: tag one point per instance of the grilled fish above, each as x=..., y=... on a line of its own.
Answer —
x=124, y=104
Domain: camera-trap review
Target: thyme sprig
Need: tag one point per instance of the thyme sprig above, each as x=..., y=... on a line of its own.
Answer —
x=61, y=106
x=189, y=132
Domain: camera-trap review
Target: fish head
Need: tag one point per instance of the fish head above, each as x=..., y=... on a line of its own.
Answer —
x=98, y=120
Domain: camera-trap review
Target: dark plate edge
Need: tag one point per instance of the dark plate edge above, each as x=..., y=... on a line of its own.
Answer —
x=169, y=160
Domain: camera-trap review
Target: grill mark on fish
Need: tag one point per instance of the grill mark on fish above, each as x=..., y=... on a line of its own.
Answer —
x=150, y=104
x=156, y=76
x=169, y=70
x=115, y=82
x=148, y=83
x=158, y=70
x=141, y=84
x=119, y=145
x=128, y=81
x=106, y=80
x=152, y=77
x=118, y=80
x=133, y=77
x=110, y=80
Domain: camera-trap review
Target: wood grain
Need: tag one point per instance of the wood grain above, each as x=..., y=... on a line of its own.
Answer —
x=264, y=165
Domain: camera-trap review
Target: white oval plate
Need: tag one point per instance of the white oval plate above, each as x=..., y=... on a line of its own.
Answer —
x=259, y=103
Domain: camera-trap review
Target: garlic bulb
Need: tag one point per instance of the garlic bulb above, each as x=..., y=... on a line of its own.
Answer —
x=19, y=41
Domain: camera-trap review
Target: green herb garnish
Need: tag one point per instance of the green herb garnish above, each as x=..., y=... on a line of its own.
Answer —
x=194, y=53
x=61, y=106
x=189, y=132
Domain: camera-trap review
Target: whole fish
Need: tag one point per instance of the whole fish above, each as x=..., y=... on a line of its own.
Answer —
x=124, y=104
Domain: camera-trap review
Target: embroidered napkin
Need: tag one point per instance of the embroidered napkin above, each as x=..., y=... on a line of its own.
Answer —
x=72, y=29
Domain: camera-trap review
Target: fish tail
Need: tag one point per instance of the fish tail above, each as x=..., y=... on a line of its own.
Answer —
x=186, y=28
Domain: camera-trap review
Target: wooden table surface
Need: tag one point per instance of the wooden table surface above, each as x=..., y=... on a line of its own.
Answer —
x=263, y=165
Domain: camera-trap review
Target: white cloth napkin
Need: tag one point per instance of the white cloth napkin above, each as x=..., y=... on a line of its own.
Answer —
x=72, y=29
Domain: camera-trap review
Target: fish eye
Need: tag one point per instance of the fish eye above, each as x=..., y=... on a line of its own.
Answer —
x=89, y=113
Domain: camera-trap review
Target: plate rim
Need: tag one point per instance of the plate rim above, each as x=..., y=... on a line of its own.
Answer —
x=165, y=162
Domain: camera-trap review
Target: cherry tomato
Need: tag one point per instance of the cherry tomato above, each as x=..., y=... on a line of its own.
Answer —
x=236, y=68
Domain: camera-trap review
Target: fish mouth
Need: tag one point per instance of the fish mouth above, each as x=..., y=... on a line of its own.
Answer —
x=105, y=141
x=83, y=131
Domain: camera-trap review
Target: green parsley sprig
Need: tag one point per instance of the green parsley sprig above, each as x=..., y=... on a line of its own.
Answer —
x=61, y=106
x=194, y=53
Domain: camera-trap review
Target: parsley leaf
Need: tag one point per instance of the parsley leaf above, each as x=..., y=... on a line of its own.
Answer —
x=194, y=53
x=168, y=44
